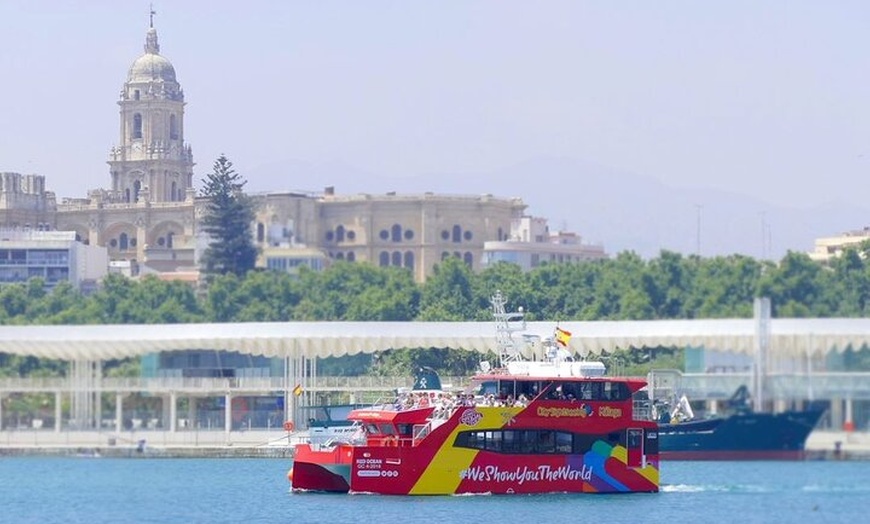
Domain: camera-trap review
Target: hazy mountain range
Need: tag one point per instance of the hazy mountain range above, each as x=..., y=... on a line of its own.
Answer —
x=623, y=211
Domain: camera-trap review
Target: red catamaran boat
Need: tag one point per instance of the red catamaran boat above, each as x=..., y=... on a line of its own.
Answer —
x=526, y=427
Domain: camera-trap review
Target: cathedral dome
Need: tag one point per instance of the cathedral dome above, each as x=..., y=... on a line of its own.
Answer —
x=151, y=66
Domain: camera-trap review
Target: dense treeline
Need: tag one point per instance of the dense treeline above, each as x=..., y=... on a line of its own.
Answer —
x=626, y=287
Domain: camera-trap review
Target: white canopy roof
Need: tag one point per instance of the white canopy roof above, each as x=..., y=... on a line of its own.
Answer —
x=789, y=337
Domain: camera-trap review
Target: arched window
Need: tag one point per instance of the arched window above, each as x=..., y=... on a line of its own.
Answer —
x=136, y=94
x=127, y=195
x=339, y=234
x=339, y=255
x=396, y=231
x=397, y=258
x=261, y=232
x=445, y=255
x=409, y=260
x=500, y=234
x=173, y=127
x=137, y=186
x=172, y=192
x=468, y=258
x=137, y=125
x=169, y=239
x=351, y=256
x=123, y=242
x=384, y=259
x=457, y=234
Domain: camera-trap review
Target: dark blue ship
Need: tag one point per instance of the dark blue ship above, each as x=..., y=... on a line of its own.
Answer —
x=740, y=435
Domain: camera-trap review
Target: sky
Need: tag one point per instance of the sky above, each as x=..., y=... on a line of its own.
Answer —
x=765, y=99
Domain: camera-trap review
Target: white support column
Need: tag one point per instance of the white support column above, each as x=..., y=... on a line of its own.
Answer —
x=98, y=410
x=173, y=416
x=836, y=413
x=762, y=346
x=849, y=423
x=58, y=413
x=119, y=412
x=228, y=414
x=191, y=413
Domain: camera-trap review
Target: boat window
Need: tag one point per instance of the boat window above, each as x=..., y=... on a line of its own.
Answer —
x=616, y=391
x=488, y=388
x=372, y=429
x=564, y=441
x=583, y=443
x=542, y=441
x=387, y=429
x=511, y=441
x=531, y=441
x=405, y=429
x=529, y=389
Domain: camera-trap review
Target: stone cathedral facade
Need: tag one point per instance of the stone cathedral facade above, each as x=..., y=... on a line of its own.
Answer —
x=148, y=216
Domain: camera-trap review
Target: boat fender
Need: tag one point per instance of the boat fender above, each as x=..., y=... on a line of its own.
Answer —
x=288, y=426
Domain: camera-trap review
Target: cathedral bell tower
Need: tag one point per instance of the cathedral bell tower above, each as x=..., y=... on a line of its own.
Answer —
x=152, y=161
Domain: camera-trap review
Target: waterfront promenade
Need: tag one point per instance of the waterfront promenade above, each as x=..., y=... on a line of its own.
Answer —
x=822, y=444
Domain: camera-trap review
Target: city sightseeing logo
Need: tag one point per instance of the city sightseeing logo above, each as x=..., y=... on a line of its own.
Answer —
x=471, y=417
x=582, y=411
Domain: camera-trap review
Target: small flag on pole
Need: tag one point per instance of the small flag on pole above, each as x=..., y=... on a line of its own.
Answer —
x=297, y=390
x=563, y=337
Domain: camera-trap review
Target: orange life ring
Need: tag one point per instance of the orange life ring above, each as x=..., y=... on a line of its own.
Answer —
x=288, y=426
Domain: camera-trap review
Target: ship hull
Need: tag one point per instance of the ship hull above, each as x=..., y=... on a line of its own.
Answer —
x=746, y=436
x=450, y=460
x=391, y=471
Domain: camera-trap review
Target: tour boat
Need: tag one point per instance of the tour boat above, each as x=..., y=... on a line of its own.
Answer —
x=551, y=425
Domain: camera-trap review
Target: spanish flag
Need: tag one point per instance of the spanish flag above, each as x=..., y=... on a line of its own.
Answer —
x=563, y=337
x=297, y=390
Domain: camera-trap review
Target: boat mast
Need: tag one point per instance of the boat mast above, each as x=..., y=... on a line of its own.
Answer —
x=506, y=324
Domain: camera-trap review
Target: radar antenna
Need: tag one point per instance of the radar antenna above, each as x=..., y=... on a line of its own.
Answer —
x=509, y=349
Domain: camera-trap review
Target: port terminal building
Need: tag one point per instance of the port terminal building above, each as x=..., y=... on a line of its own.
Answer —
x=227, y=378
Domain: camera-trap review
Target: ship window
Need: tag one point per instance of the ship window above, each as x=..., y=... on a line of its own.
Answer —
x=541, y=441
x=387, y=429
x=583, y=443
x=527, y=442
x=563, y=442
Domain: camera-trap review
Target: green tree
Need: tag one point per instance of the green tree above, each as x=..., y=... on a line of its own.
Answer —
x=229, y=213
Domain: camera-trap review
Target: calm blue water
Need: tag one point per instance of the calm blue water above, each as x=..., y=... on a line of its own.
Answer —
x=96, y=490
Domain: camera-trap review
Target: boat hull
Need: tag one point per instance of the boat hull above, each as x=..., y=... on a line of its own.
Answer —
x=425, y=470
x=745, y=436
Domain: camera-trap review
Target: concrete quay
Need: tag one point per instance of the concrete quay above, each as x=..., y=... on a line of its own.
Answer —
x=275, y=443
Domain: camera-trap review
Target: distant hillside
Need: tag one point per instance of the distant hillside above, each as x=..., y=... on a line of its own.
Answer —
x=623, y=211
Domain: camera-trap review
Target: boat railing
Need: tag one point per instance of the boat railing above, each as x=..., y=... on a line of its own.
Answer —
x=641, y=409
x=421, y=431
